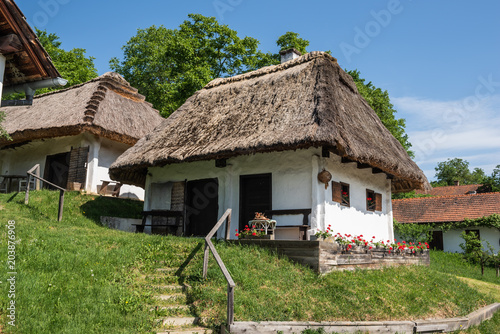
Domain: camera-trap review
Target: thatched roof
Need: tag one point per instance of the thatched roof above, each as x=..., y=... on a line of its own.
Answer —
x=307, y=102
x=27, y=60
x=106, y=106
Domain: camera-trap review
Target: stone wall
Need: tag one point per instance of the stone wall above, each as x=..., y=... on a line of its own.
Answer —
x=324, y=257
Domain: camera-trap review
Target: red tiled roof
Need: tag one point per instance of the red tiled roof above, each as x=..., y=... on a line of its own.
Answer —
x=450, y=190
x=445, y=208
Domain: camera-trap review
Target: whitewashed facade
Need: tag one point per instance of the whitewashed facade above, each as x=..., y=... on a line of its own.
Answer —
x=295, y=185
x=102, y=153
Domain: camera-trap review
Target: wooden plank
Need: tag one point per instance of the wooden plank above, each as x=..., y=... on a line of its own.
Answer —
x=378, y=202
x=336, y=192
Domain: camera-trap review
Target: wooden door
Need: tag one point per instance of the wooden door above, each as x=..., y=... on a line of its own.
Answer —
x=56, y=169
x=255, y=196
x=437, y=240
x=202, y=206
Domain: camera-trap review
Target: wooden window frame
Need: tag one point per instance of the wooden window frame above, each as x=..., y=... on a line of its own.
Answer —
x=370, y=204
x=345, y=202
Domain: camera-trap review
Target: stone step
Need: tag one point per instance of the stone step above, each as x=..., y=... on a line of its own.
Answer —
x=174, y=297
x=171, y=310
x=194, y=330
x=167, y=287
x=172, y=322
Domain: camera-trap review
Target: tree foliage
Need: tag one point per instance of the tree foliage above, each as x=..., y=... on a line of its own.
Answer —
x=379, y=100
x=292, y=40
x=169, y=65
x=414, y=232
x=73, y=65
x=456, y=169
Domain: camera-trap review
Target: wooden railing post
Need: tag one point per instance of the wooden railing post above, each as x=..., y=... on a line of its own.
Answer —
x=61, y=205
x=37, y=173
x=209, y=247
x=228, y=227
x=27, y=194
x=230, y=304
x=205, y=260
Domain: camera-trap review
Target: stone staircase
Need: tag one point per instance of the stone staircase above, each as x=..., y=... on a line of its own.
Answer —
x=171, y=310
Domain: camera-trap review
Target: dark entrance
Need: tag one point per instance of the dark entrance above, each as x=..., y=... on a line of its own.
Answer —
x=202, y=206
x=437, y=240
x=56, y=169
x=255, y=196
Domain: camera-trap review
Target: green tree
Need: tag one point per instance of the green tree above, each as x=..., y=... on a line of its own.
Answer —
x=456, y=169
x=73, y=65
x=379, y=100
x=292, y=40
x=169, y=65
x=474, y=250
x=491, y=183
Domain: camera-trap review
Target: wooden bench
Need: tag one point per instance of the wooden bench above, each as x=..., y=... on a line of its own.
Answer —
x=139, y=228
x=301, y=230
x=114, y=192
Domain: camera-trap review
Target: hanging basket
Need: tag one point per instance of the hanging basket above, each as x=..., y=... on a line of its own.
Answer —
x=325, y=177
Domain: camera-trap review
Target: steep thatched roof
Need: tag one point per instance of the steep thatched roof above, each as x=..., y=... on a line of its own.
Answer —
x=26, y=59
x=106, y=106
x=306, y=102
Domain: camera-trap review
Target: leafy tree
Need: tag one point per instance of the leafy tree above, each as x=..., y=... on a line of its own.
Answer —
x=474, y=250
x=73, y=65
x=169, y=65
x=380, y=102
x=292, y=40
x=491, y=183
x=414, y=232
x=456, y=169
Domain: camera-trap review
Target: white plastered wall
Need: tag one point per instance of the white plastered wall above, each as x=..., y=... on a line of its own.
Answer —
x=356, y=219
x=452, y=239
x=294, y=186
x=102, y=153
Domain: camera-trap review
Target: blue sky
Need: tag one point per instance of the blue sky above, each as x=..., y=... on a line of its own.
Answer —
x=439, y=60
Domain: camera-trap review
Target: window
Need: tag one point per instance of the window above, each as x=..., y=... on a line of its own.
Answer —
x=373, y=201
x=341, y=193
x=370, y=200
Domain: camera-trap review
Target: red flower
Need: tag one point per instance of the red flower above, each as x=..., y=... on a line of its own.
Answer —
x=427, y=246
x=389, y=252
x=237, y=234
x=344, y=193
x=369, y=198
x=236, y=230
x=254, y=234
x=373, y=237
x=370, y=247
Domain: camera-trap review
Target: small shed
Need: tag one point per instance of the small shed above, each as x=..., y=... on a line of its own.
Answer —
x=76, y=133
x=258, y=142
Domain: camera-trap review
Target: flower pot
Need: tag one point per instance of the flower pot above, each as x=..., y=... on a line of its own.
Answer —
x=262, y=237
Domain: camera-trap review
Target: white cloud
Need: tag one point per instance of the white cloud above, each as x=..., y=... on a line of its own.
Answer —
x=467, y=129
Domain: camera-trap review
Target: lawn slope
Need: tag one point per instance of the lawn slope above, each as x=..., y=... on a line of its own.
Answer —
x=76, y=276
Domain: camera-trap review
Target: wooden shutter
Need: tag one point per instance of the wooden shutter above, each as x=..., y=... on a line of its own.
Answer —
x=336, y=192
x=378, y=202
x=78, y=165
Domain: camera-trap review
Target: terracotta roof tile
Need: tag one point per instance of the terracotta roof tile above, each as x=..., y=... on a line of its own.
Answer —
x=445, y=208
x=450, y=190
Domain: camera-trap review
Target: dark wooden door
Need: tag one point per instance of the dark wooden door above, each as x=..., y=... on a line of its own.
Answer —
x=202, y=206
x=255, y=196
x=56, y=169
x=437, y=240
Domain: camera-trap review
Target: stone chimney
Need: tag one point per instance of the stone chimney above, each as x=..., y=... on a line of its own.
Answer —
x=457, y=183
x=289, y=54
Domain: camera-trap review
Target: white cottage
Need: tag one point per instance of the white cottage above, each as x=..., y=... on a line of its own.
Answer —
x=75, y=134
x=257, y=142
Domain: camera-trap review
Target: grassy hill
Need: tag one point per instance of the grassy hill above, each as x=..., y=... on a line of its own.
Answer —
x=76, y=276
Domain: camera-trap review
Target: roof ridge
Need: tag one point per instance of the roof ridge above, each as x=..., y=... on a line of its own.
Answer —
x=446, y=196
x=271, y=69
x=113, y=80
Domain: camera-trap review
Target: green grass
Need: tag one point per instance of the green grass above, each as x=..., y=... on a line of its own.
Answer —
x=76, y=276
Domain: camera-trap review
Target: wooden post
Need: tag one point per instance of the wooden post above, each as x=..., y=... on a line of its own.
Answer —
x=61, y=204
x=228, y=226
x=205, y=260
x=230, y=304
x=37, y=173
x=27, y=194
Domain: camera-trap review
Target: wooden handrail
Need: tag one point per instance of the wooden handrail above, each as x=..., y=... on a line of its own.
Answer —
x=209, y=247
x=61, y=190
